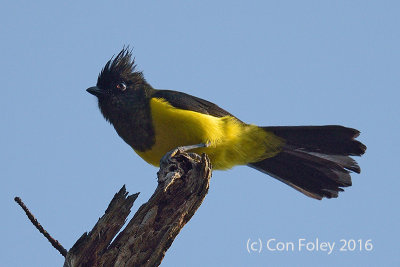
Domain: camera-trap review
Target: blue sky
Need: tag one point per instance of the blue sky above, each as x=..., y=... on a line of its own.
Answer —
x=267, y=62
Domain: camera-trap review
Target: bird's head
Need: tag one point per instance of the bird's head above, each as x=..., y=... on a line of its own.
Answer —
x=120, y=88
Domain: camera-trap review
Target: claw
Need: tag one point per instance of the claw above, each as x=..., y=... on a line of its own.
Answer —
x=165, y=159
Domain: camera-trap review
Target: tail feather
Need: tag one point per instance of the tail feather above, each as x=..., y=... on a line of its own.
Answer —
x=345, y=161
x=315, y=159
x=329, y=139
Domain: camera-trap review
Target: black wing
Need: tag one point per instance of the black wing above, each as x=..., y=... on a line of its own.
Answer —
x=188, y=102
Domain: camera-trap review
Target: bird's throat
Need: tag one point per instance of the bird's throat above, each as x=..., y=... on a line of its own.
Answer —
x=135, y=127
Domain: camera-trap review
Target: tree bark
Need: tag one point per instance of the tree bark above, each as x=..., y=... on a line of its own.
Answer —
x=182, y=185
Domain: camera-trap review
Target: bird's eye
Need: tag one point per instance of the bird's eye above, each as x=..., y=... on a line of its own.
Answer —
x=121, y=86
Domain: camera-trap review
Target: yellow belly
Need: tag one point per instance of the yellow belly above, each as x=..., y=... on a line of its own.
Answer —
x=231, y=141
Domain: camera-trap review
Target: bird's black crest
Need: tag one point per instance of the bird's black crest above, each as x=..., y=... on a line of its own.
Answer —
x=122, y=67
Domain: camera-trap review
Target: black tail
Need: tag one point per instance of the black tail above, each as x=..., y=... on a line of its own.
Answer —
x=315, y=159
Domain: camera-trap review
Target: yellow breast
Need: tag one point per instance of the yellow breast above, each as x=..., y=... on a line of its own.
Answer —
x=231, y=141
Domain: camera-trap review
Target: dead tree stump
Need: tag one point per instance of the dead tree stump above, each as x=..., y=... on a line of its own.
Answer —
x=182, y=185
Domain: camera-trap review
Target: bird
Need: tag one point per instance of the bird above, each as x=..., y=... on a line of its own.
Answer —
x=314, y=160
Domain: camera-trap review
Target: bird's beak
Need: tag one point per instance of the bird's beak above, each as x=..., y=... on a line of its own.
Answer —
x=96, y=91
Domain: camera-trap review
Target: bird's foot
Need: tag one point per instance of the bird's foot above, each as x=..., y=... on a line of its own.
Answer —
x=166, y=158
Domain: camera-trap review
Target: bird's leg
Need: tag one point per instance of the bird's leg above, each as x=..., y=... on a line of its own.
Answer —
x=181, y=149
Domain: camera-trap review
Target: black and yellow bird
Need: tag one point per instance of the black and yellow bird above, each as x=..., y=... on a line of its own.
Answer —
x=315, y=160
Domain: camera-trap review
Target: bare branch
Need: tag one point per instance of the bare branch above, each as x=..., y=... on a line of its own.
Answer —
x=35, y=222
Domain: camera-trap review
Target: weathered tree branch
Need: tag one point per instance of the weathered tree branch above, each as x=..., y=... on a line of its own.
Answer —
x=38, y=226
x=182, y=185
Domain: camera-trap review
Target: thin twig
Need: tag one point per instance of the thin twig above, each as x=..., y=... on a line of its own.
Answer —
x=35, y=222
